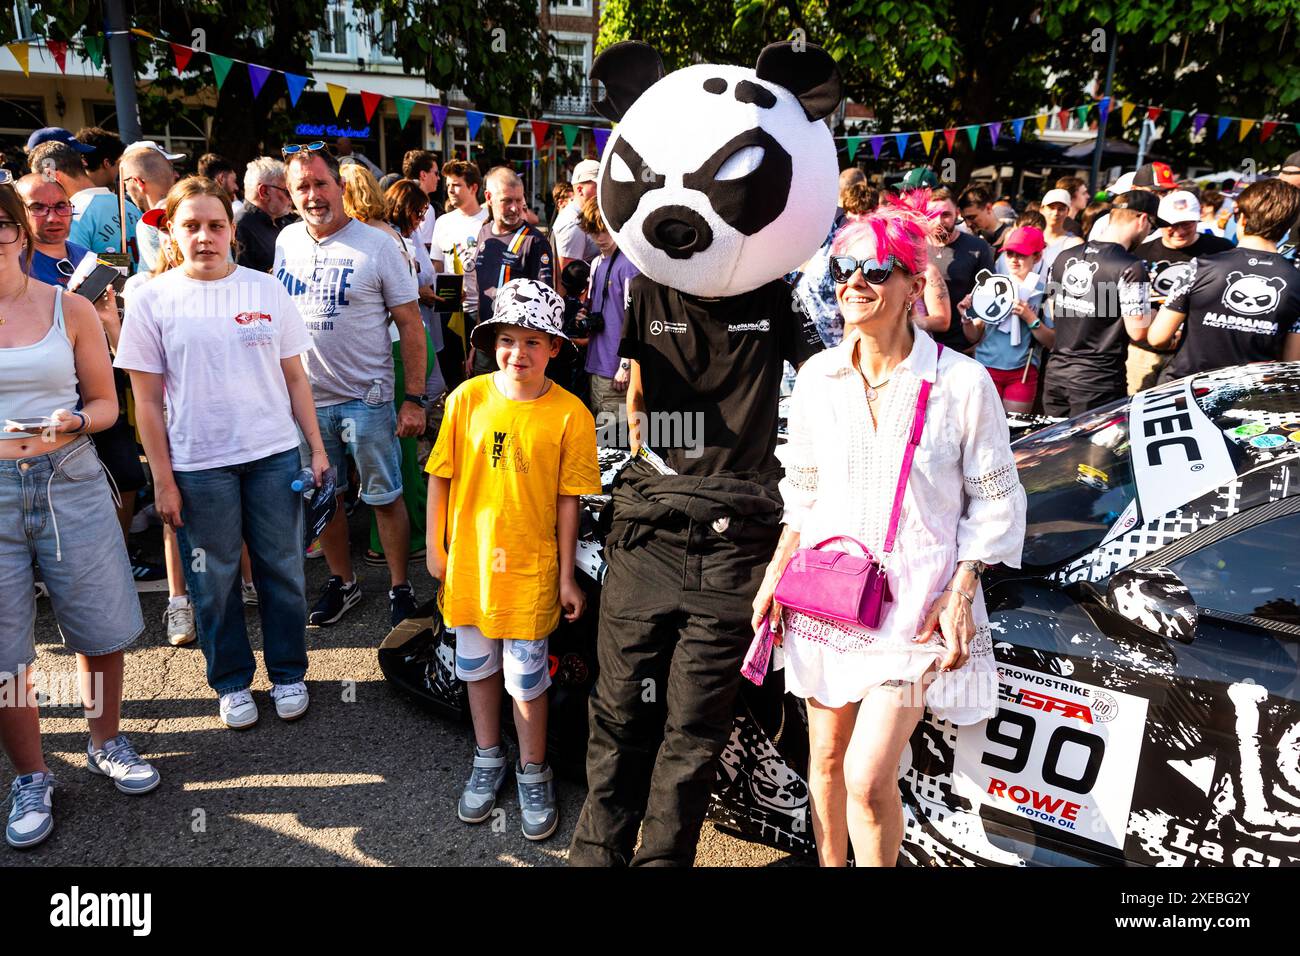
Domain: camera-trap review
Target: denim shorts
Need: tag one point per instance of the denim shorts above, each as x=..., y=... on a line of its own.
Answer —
x=57, y=511
x=369, y=434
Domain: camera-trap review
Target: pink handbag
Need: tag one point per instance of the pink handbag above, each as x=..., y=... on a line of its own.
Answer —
x=850, y=588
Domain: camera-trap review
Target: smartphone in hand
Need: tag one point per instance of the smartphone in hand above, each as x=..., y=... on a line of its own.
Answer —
x=32, y=426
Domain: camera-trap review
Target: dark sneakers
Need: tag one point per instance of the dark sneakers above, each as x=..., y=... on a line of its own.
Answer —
x=335, y=601
x=401, y=604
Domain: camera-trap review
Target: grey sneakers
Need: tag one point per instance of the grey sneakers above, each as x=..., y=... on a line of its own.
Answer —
x=31, y=810
x=118, y=761
x=537, y=806
x=480, y=794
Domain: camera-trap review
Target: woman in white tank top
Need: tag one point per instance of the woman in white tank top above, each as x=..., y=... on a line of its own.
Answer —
x=57, y=514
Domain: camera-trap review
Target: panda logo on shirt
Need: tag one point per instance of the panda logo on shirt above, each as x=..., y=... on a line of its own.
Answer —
x=1077, y=277
x=993, y=297
x=1252, y=294
x=1166, y=276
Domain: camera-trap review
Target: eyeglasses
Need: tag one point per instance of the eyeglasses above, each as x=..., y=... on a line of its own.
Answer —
x=877, y=273
x=9, y=230
x=40, y=210
x=281, y=188
x=300, y=148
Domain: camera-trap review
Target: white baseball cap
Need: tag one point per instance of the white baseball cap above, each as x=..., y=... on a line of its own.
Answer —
x=1056, y=195
x=1122, y=185
x=1180, y=206
x=150, y=144
x=587, y=171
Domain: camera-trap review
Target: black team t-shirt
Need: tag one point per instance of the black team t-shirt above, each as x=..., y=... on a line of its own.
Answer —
x=1169, y=267
x=711, y=373
x=1092, y=287
x=960, y=261
x=1240, y=306
x=522, y=253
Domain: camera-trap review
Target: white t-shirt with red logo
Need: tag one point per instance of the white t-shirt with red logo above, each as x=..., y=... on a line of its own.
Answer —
x=218, y=345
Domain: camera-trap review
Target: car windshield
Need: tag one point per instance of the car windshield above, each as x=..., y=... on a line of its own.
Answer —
x=1078, y=481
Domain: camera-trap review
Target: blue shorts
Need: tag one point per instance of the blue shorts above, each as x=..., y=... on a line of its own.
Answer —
x=369, y=434
x=56, y=511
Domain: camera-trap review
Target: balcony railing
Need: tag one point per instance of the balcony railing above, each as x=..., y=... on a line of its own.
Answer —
x=576, y=105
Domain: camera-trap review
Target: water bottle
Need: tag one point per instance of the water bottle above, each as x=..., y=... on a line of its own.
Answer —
x=304, y=482
x=376, y=394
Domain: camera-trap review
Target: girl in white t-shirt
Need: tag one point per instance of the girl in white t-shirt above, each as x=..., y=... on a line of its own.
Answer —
x=225, y=343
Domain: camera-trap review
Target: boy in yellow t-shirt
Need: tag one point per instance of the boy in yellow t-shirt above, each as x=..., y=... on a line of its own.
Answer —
x=514, y=453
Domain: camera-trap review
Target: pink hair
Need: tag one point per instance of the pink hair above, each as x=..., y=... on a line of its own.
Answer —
x=899, y=227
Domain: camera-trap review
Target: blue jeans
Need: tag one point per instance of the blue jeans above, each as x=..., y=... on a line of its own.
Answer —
x=221, y=509
x=369, y=434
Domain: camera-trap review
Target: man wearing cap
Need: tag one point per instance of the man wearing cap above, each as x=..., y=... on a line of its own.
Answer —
x=148, y=174
x=1099, y=299
x=570, y=241
x=920, y=177
x=96, y=223
x=1242, y=305
x=1168, y=258
x=1155, y=178
x=507, y=248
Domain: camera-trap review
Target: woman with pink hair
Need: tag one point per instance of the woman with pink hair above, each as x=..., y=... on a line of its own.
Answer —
x=935, y=512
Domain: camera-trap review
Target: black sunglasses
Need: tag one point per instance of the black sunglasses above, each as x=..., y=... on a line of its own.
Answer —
x=876, y=273
x=301, y=148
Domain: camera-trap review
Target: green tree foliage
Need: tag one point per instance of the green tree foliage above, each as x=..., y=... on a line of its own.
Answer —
x=936, y=63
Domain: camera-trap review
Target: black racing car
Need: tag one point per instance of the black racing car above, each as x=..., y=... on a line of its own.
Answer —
x=1149, y=650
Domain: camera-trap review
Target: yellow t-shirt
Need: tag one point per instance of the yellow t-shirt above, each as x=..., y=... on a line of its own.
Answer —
x=509, y=462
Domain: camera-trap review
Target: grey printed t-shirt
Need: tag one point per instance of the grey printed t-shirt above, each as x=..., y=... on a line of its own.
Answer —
x=344, y=287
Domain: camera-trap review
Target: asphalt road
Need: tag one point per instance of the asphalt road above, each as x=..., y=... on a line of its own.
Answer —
x=367, y=777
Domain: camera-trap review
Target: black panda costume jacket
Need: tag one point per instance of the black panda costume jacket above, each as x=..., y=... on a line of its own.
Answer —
x=717, y=181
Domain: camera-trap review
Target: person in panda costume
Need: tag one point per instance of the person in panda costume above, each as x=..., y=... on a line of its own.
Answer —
x=717, y=181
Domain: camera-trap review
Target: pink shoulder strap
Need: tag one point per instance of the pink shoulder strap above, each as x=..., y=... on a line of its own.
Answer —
x=918, y=425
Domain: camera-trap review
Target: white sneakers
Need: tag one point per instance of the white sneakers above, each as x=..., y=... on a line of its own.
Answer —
x=180, y=624
x=290, y=700
x=238, y=710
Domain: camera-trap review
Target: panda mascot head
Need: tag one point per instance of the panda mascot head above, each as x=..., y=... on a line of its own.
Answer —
x=718, y=179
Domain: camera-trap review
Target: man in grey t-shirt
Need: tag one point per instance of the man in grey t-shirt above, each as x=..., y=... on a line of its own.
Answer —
x=347, y=279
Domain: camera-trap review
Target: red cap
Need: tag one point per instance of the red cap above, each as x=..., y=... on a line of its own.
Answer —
x=1155, y=176
x=1026, y=240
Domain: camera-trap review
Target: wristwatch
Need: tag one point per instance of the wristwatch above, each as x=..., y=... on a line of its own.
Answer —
x=975, y=567
x=421, y=400
x=625, y=365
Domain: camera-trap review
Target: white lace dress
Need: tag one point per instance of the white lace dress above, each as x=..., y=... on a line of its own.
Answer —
x=963, y=502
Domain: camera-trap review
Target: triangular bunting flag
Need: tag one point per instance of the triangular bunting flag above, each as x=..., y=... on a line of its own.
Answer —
x=1103, y=111
x=540, y=129
x=1082, y=113
x=852, y=145
x=181, y=54
x=1246, y=126
x=948, y=136
x=973, y=134
x=296, y=84
x=368, y=103
x=876, y=143
x=220, y=68
x=438, y=114
x=1153, y=112
x=601, y=136
x=403, y=107
x=994, y=130
x=1017, y=127
x=570, y=135
x=1266, y=129
x=337, y=93
x=1175, y=117
x=59, y=50
x=1064, y=116
x=1198, y=122
x=1041, y=122
x=1224, y=123
x=21, y=52
x=927, y=137
x=1125, y=111
x=257, y=77
x=901, y=140
x=508, y=124
x=473, y=120
x=95, y=50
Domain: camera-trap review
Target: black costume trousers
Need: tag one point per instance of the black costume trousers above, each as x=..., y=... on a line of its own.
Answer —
x=674, y=628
